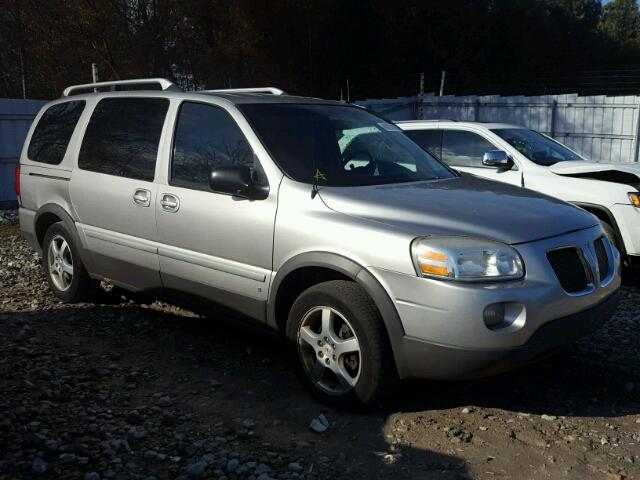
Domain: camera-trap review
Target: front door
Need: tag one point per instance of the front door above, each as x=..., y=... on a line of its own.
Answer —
x=464, y=151
x=214, y=245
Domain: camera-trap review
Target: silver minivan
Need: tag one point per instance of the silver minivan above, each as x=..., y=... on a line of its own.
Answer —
x=319, y=219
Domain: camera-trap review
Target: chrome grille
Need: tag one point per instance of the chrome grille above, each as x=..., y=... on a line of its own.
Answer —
x=580, y=268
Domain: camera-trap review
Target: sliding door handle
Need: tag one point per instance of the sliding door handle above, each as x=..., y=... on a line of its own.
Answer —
x=142, y=197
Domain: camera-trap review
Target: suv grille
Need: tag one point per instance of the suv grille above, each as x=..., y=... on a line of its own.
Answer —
x=569, y=268
x=601, y=255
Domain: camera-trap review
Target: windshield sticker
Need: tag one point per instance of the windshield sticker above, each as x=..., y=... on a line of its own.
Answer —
x=389, y=127
x=319, y=175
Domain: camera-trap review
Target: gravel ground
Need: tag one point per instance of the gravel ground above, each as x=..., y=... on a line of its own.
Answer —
x=123, y=389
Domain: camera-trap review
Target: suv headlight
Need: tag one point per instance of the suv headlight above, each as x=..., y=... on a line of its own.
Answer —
x=466, y=259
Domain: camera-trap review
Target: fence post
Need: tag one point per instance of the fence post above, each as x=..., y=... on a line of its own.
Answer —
x=476, y=110
x=554, y=108
x=443, y=75
x=636, y=140
x=421, y=98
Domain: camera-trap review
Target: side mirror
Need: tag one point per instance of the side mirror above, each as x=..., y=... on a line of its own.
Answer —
x=497, y=159
x=237, y=180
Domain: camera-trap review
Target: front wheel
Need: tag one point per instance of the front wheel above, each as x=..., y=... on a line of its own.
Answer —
x=341, y=346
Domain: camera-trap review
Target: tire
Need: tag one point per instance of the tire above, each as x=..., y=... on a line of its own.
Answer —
x=335, y=374
x=67, y=277
x=611, y=235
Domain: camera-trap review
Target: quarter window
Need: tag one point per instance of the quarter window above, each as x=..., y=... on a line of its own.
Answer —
x=122, y=137
x=206, y=136
x=464, y=149
x=51, y=136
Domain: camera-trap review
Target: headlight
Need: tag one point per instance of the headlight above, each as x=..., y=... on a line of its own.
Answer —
x=466, y=259
x=635, y=198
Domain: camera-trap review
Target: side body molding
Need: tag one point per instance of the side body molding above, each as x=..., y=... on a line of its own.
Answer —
x=357, y=273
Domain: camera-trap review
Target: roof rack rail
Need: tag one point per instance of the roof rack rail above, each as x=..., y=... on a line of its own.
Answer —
x=427, y=120
x=266, y=90
x=153, y=83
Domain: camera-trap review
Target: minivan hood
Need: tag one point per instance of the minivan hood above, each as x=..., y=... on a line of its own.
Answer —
x=464, y=205
x=580, y=168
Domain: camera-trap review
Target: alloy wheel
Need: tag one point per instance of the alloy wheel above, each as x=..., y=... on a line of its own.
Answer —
x=329, y=350
x=60, y=263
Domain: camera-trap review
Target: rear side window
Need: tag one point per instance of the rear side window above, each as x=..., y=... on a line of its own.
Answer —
x=122, y=137
x=430, y=140
x=206, y=136
x=52, y=134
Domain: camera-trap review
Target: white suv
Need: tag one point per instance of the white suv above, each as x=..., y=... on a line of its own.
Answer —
x=530, y=159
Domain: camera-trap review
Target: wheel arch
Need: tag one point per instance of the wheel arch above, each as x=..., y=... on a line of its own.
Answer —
x=51, y=213
x=308, y=269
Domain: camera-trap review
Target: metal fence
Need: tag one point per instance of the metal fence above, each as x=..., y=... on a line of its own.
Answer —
x=601, y=128
x=15, y=119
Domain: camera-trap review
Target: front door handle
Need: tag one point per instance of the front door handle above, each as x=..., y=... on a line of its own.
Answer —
x=169, y=203
x=142, y=197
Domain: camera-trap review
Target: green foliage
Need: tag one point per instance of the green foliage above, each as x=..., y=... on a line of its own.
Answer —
x=621, y=22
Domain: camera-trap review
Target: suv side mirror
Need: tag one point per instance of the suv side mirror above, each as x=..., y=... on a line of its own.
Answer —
x=237, y=180
x=497, y=159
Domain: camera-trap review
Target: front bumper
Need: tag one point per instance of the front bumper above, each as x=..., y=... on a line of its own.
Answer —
x=430, y=360
x=444, y=333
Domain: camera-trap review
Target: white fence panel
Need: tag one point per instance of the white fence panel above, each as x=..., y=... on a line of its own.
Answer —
x=602, y=129
x=15, y=119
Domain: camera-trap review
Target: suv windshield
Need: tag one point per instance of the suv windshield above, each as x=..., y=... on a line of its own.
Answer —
x=536, y=147
x=340, y=145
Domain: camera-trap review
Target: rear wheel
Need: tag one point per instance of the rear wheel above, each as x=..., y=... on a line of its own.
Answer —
x=341, y=346
x=66, y=275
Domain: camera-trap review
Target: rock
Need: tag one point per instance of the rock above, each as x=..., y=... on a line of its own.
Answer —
x=261, y=469
x=248, y=423
x=134, y=417
x=136, y=434
x=195, y=470
x=467, y=410
x=66, y=458
x=295, y=467
x=92, y=476
x=39, y=466
x=150, y=454
x=320, y=424
x=165, y=401
x=548, y=418
x=232, y=465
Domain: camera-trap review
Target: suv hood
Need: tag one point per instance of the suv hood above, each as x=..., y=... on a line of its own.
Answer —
x=624, y=173
x=465, y=205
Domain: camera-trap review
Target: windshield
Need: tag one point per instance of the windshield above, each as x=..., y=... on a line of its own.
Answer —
x=340, y=145
x=536, y=147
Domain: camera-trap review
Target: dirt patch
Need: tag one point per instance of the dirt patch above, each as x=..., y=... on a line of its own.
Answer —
x=127, y=390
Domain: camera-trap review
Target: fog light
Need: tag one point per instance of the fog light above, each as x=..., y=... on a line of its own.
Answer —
x=493, y=315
